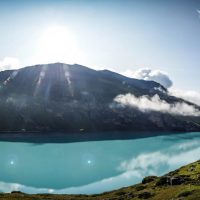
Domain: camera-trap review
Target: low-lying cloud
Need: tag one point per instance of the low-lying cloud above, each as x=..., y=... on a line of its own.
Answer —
x=164, y=79
x=9, y=63
x=151, y=75
x=191, y=96
x=145, y=104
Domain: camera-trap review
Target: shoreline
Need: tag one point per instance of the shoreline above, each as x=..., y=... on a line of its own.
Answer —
x=61, y=137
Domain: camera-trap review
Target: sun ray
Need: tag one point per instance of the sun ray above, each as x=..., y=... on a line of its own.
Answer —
x=12, y=76
x=67, y=77
x=40, y=79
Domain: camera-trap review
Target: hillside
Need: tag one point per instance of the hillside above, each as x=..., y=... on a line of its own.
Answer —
x=73, y=98
x=181, y=184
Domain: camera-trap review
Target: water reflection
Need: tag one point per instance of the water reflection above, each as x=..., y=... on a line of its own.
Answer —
x=92, y=167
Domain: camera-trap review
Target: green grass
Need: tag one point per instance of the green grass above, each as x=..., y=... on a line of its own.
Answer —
x=155, y=188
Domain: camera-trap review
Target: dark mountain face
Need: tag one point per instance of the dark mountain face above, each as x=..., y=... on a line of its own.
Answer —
x=61, y=82
x=61, y=97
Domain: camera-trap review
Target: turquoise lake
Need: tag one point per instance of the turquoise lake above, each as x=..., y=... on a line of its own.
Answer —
x=92, y=167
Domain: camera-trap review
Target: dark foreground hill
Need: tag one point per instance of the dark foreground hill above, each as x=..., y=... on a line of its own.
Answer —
x=182, y=184
x=73, y=98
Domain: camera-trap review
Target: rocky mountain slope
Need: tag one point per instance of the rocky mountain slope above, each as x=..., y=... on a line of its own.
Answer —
x=73, y=98
x=181, y=184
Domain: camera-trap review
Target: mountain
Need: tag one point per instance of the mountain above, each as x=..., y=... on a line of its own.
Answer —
x=181, y=184
x=73, y=98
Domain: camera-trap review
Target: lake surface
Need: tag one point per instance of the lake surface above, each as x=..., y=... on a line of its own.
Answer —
x=92, y=167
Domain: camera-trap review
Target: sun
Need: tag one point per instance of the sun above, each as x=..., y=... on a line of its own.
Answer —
x=57, y=43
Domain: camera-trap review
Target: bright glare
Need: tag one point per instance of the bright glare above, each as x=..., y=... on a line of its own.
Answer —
x=9, y=63
x=58, y=44
x=12, y=162
x=89, y=161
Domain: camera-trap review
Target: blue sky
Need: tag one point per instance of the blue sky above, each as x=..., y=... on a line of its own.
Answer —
x=119, y=35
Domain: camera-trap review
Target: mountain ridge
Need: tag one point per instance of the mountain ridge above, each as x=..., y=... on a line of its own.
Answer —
x=74, y=98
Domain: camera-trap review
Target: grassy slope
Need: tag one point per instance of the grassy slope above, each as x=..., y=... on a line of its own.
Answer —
x=156, y=188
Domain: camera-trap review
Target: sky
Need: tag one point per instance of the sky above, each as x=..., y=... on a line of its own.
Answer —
x=121, y=35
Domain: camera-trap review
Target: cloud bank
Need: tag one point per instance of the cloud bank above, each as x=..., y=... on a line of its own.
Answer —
x=9, y=63
x=145, y=104
x=150, y=75
x=164, y=79
x=191, y=96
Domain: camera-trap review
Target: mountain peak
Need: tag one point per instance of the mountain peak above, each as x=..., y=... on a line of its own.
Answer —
x=59, y=96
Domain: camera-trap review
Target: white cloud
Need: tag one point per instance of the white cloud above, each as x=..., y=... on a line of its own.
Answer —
x=150, y=75
x=164, y=79
x=149, y=163
x=145, y=104
x=191, y=96
x=9, y=63
x=144, y=163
